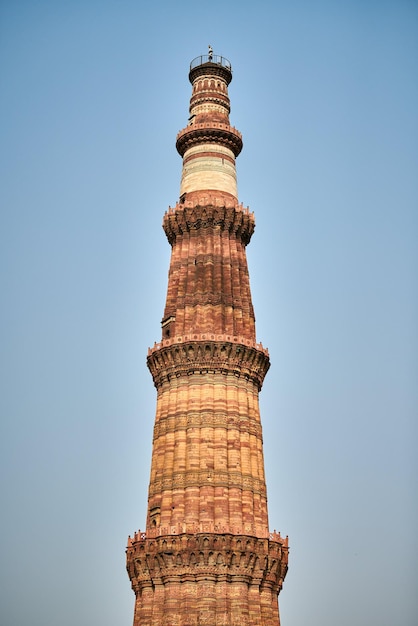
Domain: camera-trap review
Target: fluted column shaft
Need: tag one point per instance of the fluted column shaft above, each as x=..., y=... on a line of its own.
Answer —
x=206, y=556
x=208, y=285
x=207, y=464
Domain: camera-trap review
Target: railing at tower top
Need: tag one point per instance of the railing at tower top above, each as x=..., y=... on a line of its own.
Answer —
x=211, y=58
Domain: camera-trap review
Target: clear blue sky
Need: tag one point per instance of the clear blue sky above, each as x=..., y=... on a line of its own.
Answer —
x=92, y=95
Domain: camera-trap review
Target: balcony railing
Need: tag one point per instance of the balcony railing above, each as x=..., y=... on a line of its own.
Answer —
x=211, y=58
x=208, y=527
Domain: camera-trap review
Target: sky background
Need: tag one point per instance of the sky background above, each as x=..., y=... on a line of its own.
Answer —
x=92, y=95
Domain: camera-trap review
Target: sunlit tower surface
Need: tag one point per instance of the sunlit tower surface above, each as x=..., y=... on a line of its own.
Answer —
x=207, y=555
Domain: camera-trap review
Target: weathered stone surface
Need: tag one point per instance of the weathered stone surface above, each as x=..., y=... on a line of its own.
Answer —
x=209, y=576
x=206, y=555
x=208, y=357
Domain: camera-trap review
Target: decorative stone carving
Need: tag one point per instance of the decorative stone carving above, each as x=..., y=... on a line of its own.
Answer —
x=206, y=556
x=247, y=558
x=233, y=219
x=211, y=356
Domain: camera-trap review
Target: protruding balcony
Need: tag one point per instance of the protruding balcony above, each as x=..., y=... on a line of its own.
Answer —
x=222, y=134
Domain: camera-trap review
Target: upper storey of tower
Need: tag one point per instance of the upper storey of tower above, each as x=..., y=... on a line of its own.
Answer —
x=209, y=144
x=210, y=77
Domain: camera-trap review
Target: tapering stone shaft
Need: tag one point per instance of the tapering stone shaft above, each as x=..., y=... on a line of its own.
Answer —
x=206, y=555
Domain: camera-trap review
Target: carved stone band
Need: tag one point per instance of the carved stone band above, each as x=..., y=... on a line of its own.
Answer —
x=205, y=478
x=187, y=557
x=230, y=219
x=195, y=357
x=176, y=422
x=222, y=134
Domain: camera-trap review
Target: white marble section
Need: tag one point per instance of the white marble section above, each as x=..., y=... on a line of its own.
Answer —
x=209, y=172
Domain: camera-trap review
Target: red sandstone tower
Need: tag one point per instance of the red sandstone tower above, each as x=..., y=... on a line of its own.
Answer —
x=207, y=556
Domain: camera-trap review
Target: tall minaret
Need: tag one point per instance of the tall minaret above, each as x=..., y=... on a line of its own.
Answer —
x=207, y=556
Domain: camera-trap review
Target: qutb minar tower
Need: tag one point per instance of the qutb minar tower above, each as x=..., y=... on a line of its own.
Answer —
x=207, y=555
